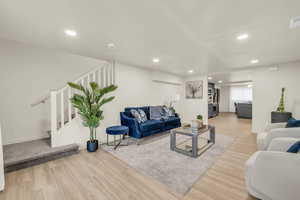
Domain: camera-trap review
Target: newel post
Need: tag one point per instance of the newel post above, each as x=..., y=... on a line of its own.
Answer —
x=53, y=101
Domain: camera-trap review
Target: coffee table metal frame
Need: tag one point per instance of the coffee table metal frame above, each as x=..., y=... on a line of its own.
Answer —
x=194, y=135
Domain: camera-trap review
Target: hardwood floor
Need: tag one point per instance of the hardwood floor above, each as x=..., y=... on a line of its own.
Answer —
x=225, y=180
x=85, y=176
x=102, y=176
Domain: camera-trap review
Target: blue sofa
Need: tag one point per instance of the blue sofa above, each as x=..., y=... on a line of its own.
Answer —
x=150, y=127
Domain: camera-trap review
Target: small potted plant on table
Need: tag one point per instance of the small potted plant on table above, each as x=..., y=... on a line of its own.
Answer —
x=89, y=104
x=198, y=123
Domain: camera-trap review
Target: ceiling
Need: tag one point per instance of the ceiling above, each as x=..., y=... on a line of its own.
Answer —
x=194, y=34
x=232, y=77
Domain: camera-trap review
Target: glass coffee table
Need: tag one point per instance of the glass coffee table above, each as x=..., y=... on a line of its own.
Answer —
x=192, y=150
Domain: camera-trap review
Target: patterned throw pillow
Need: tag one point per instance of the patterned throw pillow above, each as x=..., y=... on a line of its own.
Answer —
x=136, y=115
x=169, y=112
x=165, y=112
x=143, y=115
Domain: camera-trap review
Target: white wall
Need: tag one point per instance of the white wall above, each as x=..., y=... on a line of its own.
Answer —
x=267, y=90
x=136, y=88
x=193, y=107
x=224, y=99
x=28, y=72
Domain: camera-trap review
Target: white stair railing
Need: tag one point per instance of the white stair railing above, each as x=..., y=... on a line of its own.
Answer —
x=62, y=111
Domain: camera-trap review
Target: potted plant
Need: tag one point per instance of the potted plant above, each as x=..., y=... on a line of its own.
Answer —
x=89, y=104
x=281, y=102
x=200, y=117
x=198, y=123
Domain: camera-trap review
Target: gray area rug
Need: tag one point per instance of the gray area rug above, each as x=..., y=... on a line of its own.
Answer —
x=179, y=172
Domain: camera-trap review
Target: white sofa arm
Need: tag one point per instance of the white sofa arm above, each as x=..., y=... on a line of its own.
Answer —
x=281, y=132
x=282, y=144
x=272, y=126
x=273, y=175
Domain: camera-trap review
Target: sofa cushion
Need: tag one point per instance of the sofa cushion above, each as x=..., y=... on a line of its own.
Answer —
x=295, y=148
x=292, y=123
x=172, y=121
x=156, y=112
x=151, y=125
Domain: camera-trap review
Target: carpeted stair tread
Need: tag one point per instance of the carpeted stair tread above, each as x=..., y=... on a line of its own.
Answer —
x=26, y=154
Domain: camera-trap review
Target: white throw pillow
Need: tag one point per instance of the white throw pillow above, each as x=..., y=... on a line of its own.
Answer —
x=143, y=115
x=169, y=112
x=136, y=115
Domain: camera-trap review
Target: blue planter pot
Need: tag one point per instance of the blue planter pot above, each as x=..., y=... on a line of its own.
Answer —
x=92, y=146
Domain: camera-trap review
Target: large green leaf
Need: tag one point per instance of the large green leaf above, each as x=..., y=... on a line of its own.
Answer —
x=94, y=85
x=76, y=86
x=109, y=89
x=105, y=100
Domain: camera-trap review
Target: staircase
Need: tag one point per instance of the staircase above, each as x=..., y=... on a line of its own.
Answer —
x=64, y=117
x=66, y=130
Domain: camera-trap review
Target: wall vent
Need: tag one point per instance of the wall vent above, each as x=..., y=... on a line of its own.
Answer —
x=295, y=22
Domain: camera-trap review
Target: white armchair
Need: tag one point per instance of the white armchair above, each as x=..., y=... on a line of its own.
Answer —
x=275, y=130
x=282, y=144
x=273, y=174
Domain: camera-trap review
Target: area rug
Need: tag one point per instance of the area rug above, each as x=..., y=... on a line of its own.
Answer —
x=177, y=171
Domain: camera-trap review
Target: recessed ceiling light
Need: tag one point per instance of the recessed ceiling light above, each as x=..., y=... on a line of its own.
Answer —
x=242, y=36
x=71, y=33
x=155, y=60
x=220, y=81
x=209, y=78
x=191, y=71
x=254, y=61
x=111, y=45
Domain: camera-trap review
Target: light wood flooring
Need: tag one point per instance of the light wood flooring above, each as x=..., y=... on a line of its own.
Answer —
x=101, y=176
x=225, y=180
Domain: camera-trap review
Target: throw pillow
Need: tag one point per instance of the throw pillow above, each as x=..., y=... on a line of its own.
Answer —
x=295, y=148
x=292, y=123
x=164, y=114
x=156, y=112
x=168, y=112
x=143, y=115
x=136, y=115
